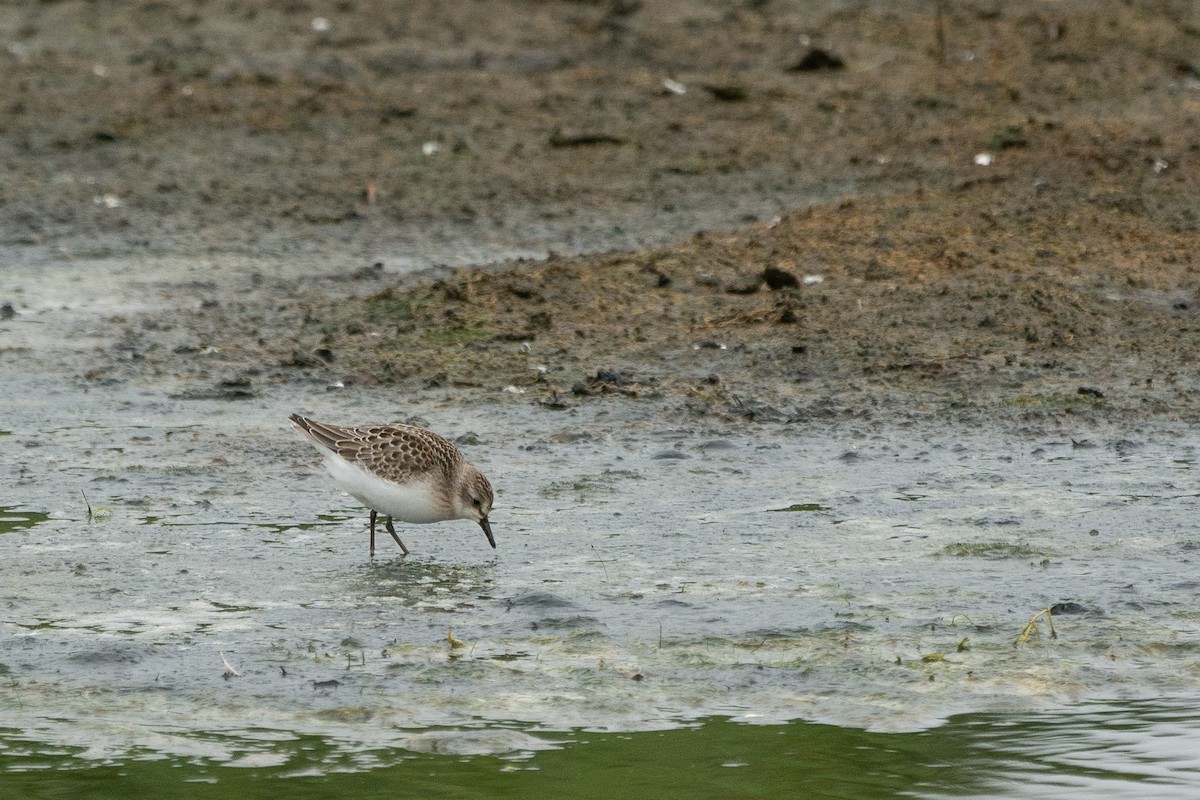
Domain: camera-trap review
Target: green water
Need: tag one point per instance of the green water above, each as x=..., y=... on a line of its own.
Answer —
x=1114, y=750
x=14, y=518
x=717, y=759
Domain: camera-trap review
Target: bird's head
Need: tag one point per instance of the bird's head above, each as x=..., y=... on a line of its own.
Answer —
x=475, y=500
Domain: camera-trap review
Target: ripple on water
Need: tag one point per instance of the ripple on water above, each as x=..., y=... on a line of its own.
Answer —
x=110, y=654
x=541, y=600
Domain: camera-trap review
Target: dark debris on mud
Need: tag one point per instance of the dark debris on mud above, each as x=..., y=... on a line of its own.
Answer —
x=1025, y=220
x=1000, y=297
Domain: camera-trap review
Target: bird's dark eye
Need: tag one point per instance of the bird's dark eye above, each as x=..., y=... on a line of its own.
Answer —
x=475, y=502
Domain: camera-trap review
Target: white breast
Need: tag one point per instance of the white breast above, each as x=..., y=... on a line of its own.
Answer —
x=410, y=502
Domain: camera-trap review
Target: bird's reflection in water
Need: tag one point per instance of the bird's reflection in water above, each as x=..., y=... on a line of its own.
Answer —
x=423, y=582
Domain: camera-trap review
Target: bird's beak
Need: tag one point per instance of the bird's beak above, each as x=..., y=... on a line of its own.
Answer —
x=487, y=528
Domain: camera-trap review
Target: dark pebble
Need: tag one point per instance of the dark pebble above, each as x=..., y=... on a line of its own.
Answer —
x=816, y=60
x=1069, y=607
x=727, y=93
x=779, y=279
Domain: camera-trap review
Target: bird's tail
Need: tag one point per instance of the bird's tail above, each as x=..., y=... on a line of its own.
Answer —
x=322, y=435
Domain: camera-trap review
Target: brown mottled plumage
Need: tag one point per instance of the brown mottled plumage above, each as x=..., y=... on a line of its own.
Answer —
x=402, y=471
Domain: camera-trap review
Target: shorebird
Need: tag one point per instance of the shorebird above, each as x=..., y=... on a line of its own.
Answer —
x=402, y=472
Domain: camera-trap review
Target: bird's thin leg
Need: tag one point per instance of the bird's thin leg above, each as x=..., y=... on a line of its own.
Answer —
x=392, y=531
x=372, y=534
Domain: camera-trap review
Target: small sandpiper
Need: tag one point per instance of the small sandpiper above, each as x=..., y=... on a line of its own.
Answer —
x=402, y=472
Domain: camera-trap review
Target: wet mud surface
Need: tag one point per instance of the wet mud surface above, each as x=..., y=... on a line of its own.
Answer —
x=649, y=578
x=993, y=206
x=803, y=390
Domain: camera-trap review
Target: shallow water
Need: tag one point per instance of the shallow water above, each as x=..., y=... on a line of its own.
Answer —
x=1110, y=750
x=657, y=576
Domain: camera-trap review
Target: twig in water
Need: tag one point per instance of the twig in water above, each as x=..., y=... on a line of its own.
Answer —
x=230, y=672
x=89, y=506
x=602, y=566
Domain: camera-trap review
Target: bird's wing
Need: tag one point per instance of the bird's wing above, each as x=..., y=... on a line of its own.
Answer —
x=393, y=452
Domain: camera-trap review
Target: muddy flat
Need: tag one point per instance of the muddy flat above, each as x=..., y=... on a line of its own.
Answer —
x=823, y=356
